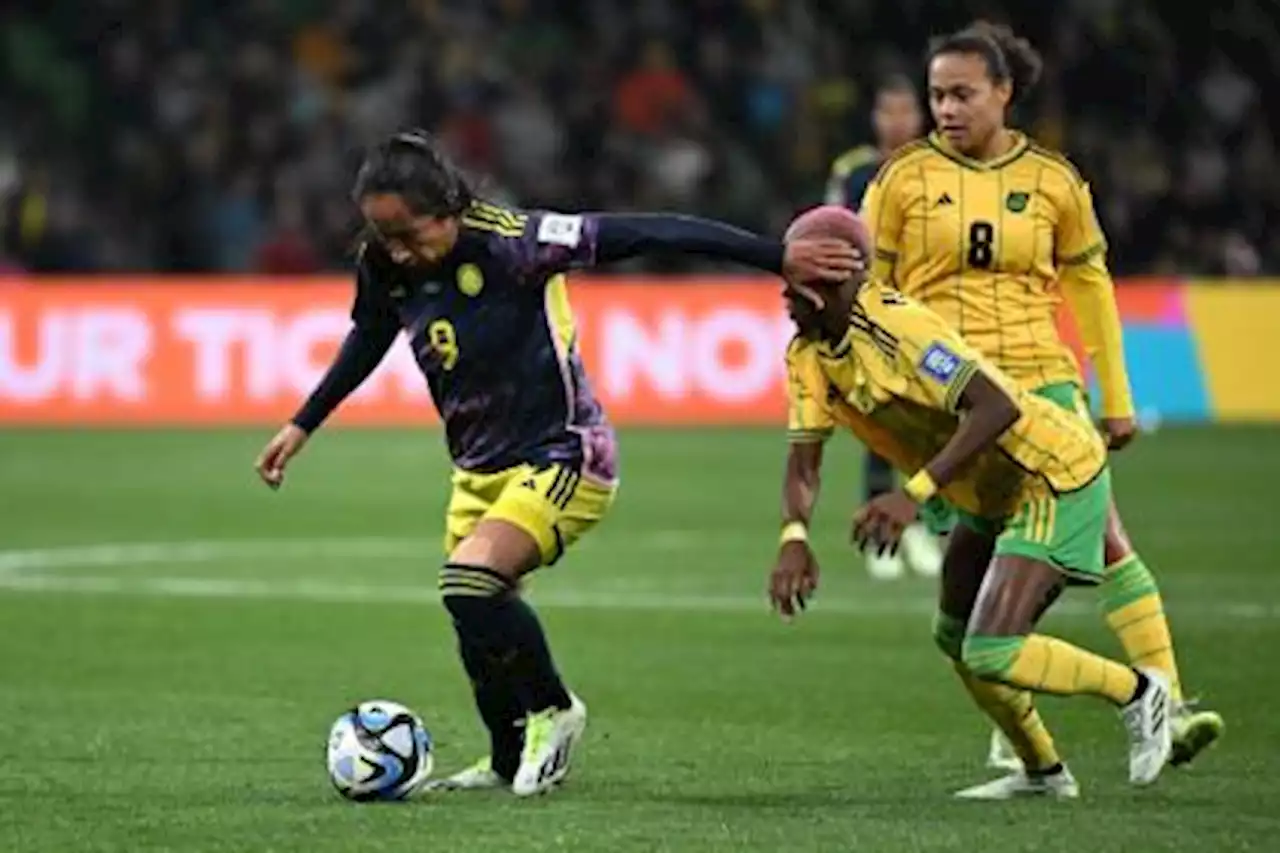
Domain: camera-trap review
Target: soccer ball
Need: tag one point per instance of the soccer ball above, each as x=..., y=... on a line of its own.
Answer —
x=379, y=750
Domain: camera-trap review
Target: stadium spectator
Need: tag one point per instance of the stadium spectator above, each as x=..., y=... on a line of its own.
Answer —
x=171, y=126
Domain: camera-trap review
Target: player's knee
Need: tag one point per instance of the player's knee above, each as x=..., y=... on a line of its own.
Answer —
x=991, y=658
x=502, y=546
x=948, y=634
x=465, y=588
x=1126, y=581
x=1116, y=545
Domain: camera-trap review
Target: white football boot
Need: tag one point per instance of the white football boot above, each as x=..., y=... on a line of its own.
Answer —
x=922, y=551
x=1061, y=785
x=1002, y=755
x=549, y=740
x=886, y=567
x=1149, y=721
x=478, y=777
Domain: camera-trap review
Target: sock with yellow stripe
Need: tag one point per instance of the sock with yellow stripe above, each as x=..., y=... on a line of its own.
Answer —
x=1049, y=665
x=1131, y=602
x=505, y=653
x=1012, y=710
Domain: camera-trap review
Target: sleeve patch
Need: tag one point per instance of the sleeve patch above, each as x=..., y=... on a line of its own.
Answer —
x=559, y=229
x=941, y=364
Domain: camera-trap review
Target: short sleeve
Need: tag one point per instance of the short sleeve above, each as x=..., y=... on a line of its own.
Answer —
x=808, y=415
x=934, y=361
x=882, y=212
x=1079, y=237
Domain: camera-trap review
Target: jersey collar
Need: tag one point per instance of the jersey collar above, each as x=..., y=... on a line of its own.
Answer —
x=1020, y=146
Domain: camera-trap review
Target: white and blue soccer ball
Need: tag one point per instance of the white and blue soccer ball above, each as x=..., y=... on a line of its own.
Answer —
x=379, y=750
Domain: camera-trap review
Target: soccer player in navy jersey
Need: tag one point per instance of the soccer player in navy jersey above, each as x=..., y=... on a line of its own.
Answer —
x=479, y=291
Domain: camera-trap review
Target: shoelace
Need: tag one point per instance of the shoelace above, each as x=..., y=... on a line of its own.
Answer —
x=538, y=730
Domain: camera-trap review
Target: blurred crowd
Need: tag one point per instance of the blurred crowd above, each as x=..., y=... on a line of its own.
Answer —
x=223, y=135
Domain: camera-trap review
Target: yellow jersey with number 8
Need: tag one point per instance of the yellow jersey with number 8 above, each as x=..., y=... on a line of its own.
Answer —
x=990, y=246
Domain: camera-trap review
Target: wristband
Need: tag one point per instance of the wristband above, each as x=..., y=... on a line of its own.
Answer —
x=921, y=486
x=794, y=531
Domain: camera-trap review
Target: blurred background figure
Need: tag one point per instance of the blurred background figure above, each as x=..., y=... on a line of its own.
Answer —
x=156, y=135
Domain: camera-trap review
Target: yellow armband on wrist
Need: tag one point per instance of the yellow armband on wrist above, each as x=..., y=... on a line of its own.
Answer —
x=921, y=486
x=794, y=531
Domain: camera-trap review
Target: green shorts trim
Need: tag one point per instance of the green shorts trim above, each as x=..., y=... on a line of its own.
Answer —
x=1067, y=530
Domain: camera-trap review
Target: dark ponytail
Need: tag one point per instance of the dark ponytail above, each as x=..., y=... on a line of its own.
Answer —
x=1010, y=58
x=412, y=164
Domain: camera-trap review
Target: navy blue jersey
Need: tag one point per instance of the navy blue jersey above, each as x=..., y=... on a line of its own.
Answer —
x=851, y=174
x=493, y=333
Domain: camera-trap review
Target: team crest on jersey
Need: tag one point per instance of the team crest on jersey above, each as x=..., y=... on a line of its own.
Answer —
x=470, y=280
x=1016, y=202
x=940, y=363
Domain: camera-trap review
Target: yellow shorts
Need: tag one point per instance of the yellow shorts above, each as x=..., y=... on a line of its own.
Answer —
x=555, y=505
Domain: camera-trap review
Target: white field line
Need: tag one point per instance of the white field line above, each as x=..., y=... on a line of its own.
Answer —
x=23, y=570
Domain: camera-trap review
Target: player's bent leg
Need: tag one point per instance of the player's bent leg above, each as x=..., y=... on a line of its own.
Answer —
x=497, y=696
x=507, y=627
x=1134, y=609
x=552, y=506
x=1131, y=603
x=501, y=642
x=1054, y=537
x=1012, y=711
x=1000, y=647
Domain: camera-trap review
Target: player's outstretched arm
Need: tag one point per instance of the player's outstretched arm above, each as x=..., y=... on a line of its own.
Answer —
x=989, y=411
x=361, y=352
x=622, y=236
x=795, y=574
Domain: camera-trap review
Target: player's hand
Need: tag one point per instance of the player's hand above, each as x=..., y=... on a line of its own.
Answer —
x=1120, y=432
x=794, y=578
x=881, y=522
x=821, y=260
x=275, y=457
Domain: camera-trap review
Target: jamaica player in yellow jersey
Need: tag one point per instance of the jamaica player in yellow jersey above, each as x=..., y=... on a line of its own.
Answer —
x=1030, y=475
x=992, y=232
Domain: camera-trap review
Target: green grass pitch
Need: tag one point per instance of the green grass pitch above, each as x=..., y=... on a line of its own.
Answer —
x=177, y=639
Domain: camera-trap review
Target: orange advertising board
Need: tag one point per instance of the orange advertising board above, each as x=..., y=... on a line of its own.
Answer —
x=247, y=351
